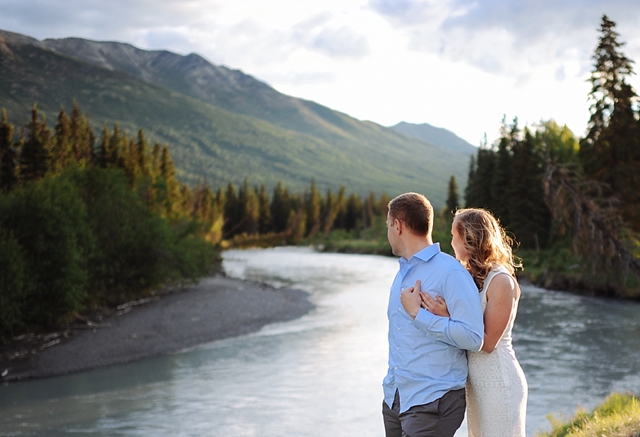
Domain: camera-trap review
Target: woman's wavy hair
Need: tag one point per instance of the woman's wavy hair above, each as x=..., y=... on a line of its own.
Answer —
x=486, y=243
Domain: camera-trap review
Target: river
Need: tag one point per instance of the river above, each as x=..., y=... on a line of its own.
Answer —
x=320, y=375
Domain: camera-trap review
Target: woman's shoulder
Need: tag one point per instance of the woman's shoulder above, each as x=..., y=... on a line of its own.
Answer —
x=500, y=278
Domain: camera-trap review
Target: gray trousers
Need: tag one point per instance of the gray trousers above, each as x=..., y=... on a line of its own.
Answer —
x=440, y=418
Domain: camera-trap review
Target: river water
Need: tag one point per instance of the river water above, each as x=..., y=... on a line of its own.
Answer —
x=321, y=375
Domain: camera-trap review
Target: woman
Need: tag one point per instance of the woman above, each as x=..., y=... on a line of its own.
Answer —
x=496, y=387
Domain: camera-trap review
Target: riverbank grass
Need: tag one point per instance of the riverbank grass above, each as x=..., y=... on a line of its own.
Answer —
x=617, y=416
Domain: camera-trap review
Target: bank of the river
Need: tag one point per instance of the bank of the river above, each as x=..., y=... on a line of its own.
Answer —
x=173, y=319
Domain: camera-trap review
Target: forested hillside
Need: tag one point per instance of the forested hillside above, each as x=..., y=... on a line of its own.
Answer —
x=221, y=125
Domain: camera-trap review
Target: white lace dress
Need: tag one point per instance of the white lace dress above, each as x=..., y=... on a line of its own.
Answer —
x=496, y=387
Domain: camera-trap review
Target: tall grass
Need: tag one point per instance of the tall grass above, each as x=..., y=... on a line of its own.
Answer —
x=617, y=416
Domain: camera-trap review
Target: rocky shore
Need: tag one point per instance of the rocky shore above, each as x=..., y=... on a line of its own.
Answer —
x=173, y=319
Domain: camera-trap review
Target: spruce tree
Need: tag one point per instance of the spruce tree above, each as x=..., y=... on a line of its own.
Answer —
x=35, y=153
x=280, y=208
x=264, y=211
x=610, y=153
x=61, y=150
x=312, y=208
x=8, y=155
x=452, y=198
x=528, y=213
x=470, y=197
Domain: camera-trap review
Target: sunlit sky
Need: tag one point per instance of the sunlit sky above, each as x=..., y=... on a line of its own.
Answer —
x=457, y=64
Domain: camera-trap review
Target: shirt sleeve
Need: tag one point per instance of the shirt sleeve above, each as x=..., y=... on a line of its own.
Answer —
x=465, y=328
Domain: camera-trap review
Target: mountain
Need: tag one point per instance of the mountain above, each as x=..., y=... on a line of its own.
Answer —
x=436, y=135
x=220, y=124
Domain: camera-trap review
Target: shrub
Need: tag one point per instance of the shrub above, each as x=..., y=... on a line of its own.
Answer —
x=49, y=221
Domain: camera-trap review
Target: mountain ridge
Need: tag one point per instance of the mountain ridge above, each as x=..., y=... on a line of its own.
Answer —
x=215, y=134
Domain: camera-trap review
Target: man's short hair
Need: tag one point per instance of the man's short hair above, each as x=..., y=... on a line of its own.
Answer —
x=415, y=211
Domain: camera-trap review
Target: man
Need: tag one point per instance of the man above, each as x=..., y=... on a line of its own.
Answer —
x=424, y=387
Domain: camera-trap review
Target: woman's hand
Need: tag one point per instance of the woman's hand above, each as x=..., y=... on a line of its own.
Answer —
x=435, y=306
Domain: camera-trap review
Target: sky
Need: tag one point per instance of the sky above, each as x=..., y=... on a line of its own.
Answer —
x=462, y=65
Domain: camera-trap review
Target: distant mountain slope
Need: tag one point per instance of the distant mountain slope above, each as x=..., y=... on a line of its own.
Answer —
x=436, y=135
x=228, y=128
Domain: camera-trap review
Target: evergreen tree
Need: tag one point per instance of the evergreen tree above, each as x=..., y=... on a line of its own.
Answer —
x=313, y=209
x=452, y=197
x=528, y=213
x=172, y=194
x=610, y=153
x=249, y=208
x=280, y=208
x=232, y=212
x=482, y=180
x=104, y=153
x=82, y=138
x=61, y=150
x=264, y=211
x=333, y=206
x=354, y=212
x=141, y=146
x=470, y=197
x=502, y=174
x=35, y=153
x=8, y=156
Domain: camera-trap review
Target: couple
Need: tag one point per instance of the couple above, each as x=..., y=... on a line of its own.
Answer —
x=436, y=315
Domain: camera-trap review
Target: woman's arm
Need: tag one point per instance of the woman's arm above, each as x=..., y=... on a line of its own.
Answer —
x=503, y=290
x=501, y=294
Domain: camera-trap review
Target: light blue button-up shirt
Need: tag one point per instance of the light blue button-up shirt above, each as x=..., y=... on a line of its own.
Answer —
x=427, y=355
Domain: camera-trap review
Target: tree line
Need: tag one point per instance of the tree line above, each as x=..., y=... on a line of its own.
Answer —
x=90, y=220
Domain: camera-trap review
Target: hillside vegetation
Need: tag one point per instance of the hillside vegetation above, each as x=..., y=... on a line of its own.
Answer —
x=221, y=125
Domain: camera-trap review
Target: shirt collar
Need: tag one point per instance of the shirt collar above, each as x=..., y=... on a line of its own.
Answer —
x=425, y=254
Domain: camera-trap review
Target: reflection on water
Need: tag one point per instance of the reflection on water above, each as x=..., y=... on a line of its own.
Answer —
x=321, y=375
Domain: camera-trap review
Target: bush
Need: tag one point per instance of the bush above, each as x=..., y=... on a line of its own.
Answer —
x=50, y=224
x=14, y=284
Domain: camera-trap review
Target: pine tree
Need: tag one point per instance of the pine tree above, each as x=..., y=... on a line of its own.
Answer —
x=35, y=153
x=232, y=211
x=82, y=138
x=502, y=173
x=482, y=180
x=528, y=213
x=103, y=155
x=264, y=211
x=452, y=197
x=333, y=206
x=8, y=155
x=470, y=197
x=313, y=208
x=61, y=150
x=280, y=208
x=610, y=153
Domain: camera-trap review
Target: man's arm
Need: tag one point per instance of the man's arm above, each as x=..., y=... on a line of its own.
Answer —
x=465, y=328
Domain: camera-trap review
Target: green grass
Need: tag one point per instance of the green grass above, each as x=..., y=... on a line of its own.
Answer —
x=617, y=416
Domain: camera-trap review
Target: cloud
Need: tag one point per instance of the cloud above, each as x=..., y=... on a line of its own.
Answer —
x=507, y=38
x=318, y=34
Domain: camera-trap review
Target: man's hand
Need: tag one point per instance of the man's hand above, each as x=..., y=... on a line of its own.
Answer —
x=410, y=299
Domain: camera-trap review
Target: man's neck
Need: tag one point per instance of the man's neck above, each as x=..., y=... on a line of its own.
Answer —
x=415, y=245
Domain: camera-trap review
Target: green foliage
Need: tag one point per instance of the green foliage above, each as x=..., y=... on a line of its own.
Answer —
x=15, y=284
x=610, y=153
x=452, y=196
x=507, y=181
x=50, y=223
x=617, y=416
